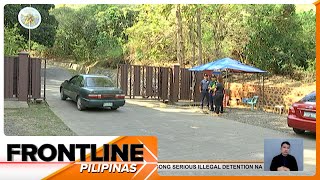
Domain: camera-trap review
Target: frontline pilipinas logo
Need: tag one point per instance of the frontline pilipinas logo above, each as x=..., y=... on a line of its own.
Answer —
x=132, y=157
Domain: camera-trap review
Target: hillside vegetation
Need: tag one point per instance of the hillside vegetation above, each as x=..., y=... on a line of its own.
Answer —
x=277, y=38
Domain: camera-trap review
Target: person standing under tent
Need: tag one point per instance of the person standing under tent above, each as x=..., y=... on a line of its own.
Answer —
x=219, y=94
x=204, y=90
x=212, y=87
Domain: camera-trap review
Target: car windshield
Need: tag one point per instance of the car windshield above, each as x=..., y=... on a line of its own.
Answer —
x=309, y=98
x=98, y=82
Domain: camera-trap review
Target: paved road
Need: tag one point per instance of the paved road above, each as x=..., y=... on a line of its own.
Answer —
x=182, y=135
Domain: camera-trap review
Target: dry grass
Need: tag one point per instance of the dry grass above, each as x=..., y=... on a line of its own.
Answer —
x=37, y=120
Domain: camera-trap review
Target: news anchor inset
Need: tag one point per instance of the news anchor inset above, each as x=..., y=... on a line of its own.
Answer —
x=284, y=161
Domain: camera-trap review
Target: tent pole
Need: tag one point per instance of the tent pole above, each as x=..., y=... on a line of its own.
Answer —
x=231, y=79
x=194, y=88
x=262, y=91
x=242, y=87
x=227, y=87
x=260, y=88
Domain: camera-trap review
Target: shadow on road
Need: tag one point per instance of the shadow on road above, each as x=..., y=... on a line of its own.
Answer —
x=91, y=110
x=307, y=135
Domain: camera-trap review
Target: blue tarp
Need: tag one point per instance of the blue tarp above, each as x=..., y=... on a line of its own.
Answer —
x=227, y=64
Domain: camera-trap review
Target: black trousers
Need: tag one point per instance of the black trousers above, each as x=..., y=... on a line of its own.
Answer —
x=204, y=95
x=218, y=100
x=211, y=97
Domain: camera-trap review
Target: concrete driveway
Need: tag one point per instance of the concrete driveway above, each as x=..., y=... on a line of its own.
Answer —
x=182, y=135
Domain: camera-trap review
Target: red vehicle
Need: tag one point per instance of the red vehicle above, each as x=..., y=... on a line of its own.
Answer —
x=302, y=114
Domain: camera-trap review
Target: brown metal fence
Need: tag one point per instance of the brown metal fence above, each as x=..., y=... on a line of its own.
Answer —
x=136, y=80
x=22, y=77
x=124, y=78
x=149, y=86
x=186, y=85
x=35, y=80
x=161, y=83
x=10, y=77
x=198, y=78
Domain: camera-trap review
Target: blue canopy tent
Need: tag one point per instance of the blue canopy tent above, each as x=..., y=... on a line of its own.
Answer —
x=227, y=64
x=230, y=65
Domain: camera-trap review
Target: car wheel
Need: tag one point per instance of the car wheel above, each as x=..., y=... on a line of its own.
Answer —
x=298, y=131
x=114, y=108
x=62, y=95
x=79, y=104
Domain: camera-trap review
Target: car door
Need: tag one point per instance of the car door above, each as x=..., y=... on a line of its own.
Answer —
x=76, y=86
x=71, y=87
x=67, y=86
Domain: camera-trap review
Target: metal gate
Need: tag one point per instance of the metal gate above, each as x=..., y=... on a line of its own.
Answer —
x=22, y=77
x=163, y=83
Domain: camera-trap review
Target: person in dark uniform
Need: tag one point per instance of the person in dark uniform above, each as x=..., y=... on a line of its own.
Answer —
x=204, y=90
x=219, y=93
x=212, y=87
x=284, y=161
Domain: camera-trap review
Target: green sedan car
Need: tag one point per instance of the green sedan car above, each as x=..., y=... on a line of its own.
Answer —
x=92, y=91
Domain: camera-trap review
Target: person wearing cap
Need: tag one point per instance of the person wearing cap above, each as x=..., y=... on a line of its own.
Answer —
x=212, y=87
x=204, y=90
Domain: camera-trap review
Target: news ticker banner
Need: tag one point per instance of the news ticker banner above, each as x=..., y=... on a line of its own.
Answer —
x=210, y=166
x=126, y=157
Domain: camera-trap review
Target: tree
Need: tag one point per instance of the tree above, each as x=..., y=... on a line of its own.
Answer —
x=180, y=38
x=190, y=42
x=13, y=41
x=224, y=32
x=92, y=33
x=273, y=37
x=275, y=42
x=152, y=39
x=306, y=39
x=199, y=34
x=44, y=34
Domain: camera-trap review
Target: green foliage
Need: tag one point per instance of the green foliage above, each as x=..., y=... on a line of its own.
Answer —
x=93, y=32
x=13, y=41
x=44, y=34
x=276, y=38
x=38, y=50
x=152, y=38
x=280, y=39
x=224, y=31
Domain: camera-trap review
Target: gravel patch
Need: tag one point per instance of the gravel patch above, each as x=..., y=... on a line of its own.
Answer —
x=260, y=118
x=37, y=120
